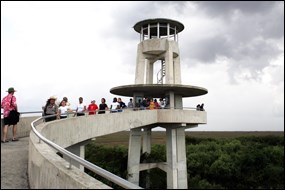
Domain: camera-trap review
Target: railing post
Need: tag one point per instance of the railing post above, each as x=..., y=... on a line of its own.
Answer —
x=70, y=164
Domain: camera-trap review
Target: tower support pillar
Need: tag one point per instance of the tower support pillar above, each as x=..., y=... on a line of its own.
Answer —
x=176, y=158
x=134, y=153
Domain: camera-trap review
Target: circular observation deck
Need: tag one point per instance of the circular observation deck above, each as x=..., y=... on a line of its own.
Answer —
x=158, y=90
x=158, y=28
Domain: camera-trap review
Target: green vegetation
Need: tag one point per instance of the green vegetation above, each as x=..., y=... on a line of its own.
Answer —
x=113, y=159
x=255, y=162
x=241, y=163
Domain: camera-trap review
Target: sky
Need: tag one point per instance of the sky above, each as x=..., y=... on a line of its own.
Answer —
x=233, y=49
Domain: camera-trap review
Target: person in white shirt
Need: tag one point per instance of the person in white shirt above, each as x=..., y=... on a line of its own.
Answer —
x=81, y=108
x=63, y=110
x=115, y=105
x=161, y=103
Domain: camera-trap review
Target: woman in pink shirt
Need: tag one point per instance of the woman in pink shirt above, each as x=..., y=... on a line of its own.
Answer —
x=9, y=103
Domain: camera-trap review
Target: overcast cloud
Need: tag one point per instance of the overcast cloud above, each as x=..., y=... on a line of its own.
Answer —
x=234, y=49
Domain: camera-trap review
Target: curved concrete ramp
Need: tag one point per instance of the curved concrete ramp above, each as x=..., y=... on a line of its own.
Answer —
x=47, y=170
x=74, y=130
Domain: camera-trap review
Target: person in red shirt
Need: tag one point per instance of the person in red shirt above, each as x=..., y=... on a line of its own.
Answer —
x=8, y=104
x=92, y=108
x=156, y=104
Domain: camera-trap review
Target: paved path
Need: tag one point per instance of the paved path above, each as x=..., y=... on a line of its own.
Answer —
x=14, y=164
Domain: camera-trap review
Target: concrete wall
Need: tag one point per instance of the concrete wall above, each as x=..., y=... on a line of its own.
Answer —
x=47, y=170
x=178, y=116
x=158, y=46
x=73, y=130
x=23, y=127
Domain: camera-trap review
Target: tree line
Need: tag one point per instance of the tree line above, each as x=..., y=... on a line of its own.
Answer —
x=248, y=162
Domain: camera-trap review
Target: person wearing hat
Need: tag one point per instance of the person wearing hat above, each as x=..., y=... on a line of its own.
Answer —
x=51, y=109
x=8, y=104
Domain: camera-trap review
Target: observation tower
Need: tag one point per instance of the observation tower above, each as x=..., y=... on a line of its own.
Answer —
x=158, y=48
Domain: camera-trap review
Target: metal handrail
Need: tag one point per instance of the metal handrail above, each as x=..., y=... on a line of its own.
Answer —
x=106, y=110
x=104, y=173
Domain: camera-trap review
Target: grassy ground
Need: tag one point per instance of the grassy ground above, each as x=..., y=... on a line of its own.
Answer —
x=158, y=137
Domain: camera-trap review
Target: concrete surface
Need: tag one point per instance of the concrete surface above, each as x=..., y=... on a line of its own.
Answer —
x=73, y=130
x=159, y=90
x=23, y=127
x=47, y=170
x=14, y=164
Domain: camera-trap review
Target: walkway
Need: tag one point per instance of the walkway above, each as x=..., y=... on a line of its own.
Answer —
x=14, y=164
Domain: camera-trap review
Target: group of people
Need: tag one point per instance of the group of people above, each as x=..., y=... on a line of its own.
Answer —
x=60, y=110
x=146, y=103
x=150, y=103
x=200, y=107
x=63, y=108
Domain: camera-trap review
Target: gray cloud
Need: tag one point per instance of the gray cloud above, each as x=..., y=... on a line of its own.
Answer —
x=247, y=37
x=205, y=50
x=246, y=31
x=127, y=17
x=222, y=8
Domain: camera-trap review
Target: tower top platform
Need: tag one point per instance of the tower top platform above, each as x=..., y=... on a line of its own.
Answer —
x=159, y=90
x=162, y=24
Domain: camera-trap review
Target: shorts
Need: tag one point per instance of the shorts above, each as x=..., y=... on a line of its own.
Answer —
x=9, y=121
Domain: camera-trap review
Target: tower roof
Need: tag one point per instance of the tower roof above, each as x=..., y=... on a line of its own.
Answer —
x=163, y=22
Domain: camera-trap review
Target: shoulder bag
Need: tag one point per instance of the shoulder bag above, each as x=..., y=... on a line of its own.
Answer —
x=14, y=115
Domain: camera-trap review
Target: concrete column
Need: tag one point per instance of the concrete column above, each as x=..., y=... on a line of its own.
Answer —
x=169, y=65
x=181, y=159
x=140, y=67
x=79, y=150
x=177, y=71
x=134, y=155
x=148, y=31
x=149, y=72
x=147, y=148
x=158, y=33
x=176, y=158
x=171, y=100
x=147, y=140
x=168, y=30
x=175, y=33
x=178, y=102
x=82, y=155
x=177, y=38
x=171, y=159
x=141, y=34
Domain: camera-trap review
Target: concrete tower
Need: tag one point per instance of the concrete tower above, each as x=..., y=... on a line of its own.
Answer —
x=159, y=45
